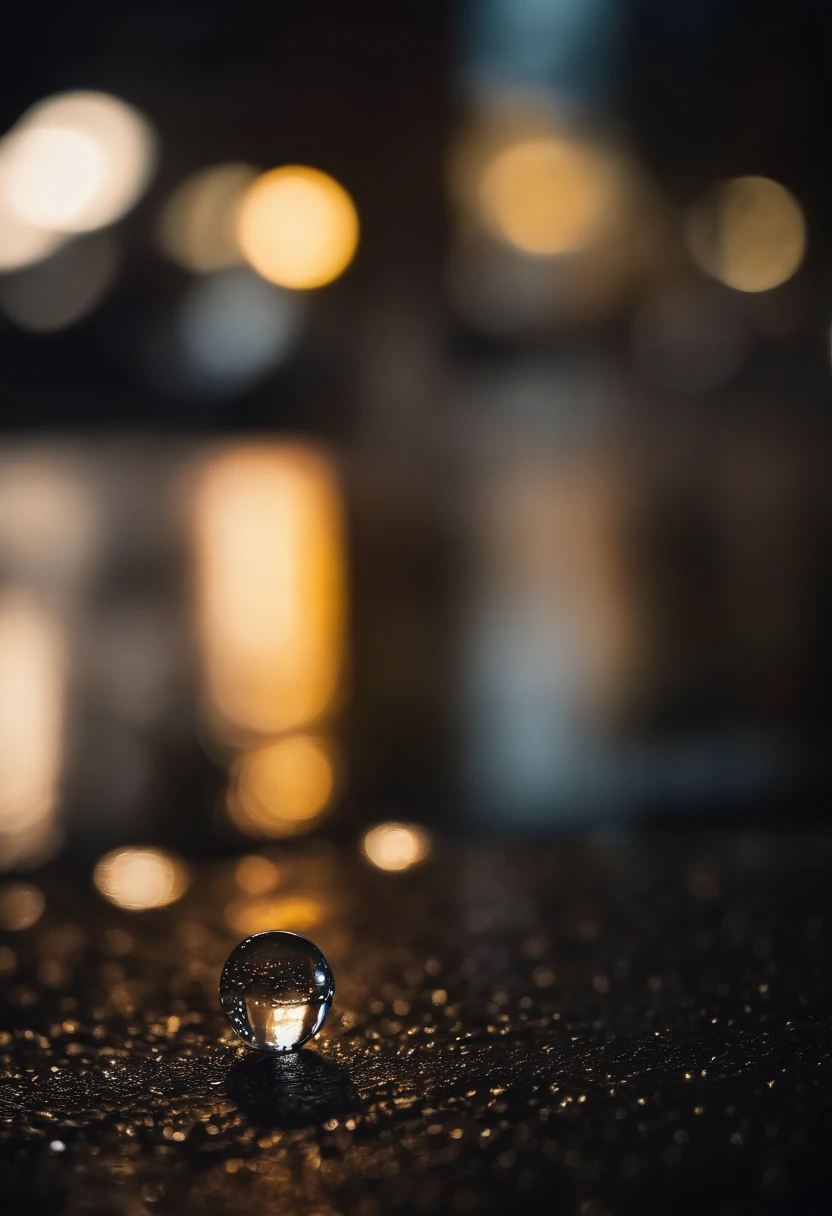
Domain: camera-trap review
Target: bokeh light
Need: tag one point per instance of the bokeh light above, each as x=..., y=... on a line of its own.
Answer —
x=32, y=682
x=270, y=587
x=232, y=328
x=396, y=846
x=48, y=524
x=61, y=290
x=21, y=244
x=256, y=875
x=297, y=913
x=21, y=905
x=198, y=225
x=748, y=232
x=139, y=878
x=282, y=788
x=545, y=195
x=76, y=162
x=298, y=227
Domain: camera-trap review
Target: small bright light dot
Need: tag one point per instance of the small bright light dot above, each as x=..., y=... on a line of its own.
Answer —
x=137, y=879
x=298, y=227
x=748, y=232
x=546, y=195
x=57, y=1146
x=396, y=846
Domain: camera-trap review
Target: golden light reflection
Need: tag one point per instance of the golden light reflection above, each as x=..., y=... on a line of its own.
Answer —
x=21, y=906
x=270, y=587
x=256, y=875
x=396, y=846
x=138, y=879
x=298, y=913
x=76, y=162
x=298, y=227
x=198, y=226
x=32, y=678
x=749, y=233
x=279, y=789
x=545, y=195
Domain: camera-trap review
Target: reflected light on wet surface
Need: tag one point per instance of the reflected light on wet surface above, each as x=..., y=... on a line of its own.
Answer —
x=748, y=232
x=281, y=788
x=21, y=906
x=298, y=227
x=270, y=587
x=32, y=679
x=545, y=196
x=256, y=875
x=198, y=225
x=396, y=846
x=76, y=162
x=137, y=879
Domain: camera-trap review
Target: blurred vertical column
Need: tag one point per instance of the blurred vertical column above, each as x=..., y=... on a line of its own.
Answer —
x=47, y=540
x=543, y=246
x=270, y=598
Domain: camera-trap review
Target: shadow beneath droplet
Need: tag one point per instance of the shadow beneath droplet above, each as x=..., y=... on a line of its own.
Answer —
x=292, y=1090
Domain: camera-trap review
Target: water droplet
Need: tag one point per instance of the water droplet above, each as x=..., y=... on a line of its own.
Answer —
x=276, y=989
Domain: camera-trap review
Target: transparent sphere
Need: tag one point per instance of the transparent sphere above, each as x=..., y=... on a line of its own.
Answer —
x=276, y=988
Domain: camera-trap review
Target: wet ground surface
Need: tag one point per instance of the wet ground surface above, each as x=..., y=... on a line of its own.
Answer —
x=598, y=1027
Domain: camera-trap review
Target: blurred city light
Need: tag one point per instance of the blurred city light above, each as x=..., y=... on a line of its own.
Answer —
x=256, y=875
x=297, y=913
x=270, y=587
x=232, y=328
x=198, y=225
x=280, y=789
x=48, y=524
x=396, y=846
x=748, y=232
x=62, y=289
x=298, y=227
x=21, y=906
x=32, y=683
x=140, y=878
x=546, y=195
x=76, y=162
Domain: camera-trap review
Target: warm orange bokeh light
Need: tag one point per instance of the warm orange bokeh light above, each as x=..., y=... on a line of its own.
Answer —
x=269, y=587
x=545, y=195
x=396, y=846
x=138, y=879
x=298, y=227
x=749, y=233
x=279, y=789
x=297, y=913
x=256, y=875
